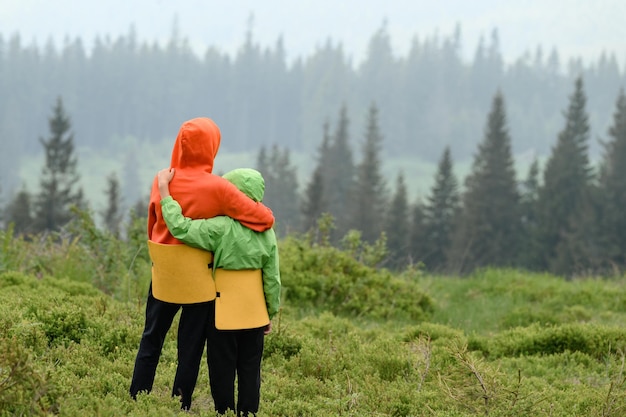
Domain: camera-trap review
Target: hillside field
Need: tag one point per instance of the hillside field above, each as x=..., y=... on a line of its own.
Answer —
x=351, y=339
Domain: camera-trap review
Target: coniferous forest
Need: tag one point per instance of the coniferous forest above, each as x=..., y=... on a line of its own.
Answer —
x=495, y=293
x=563, y=216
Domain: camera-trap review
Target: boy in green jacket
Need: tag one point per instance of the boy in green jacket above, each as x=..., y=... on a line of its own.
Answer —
x=234, y=247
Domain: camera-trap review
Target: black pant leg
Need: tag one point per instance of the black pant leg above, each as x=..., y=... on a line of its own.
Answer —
x=192, y=333
x=222, y=361
x=250, y=353
x=159, y=317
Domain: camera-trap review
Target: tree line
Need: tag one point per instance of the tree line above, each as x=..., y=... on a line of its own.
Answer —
x=565, y=217
x=428, y=99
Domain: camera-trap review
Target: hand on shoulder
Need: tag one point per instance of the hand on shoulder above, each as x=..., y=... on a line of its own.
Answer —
x=164, y=177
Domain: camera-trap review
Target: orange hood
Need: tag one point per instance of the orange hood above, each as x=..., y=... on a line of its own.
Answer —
x=196, y=145
x=202, y=194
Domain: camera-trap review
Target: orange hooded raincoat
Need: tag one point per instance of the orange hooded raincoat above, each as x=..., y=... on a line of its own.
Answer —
x=200, y=193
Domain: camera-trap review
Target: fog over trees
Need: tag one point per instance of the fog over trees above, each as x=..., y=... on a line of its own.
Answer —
x=564, y=217
x=427, y=100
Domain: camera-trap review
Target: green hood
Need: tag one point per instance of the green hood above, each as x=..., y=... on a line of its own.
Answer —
x=249, y=181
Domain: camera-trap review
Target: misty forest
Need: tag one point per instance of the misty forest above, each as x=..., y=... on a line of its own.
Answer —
x=498, y=290
x=561, y=214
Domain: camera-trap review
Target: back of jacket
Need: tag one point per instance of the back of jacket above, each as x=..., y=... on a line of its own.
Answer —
x=201, y=193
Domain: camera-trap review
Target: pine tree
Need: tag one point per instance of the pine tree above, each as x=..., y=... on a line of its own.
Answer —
x=380, y=81
x=135, y=226
x=289, y=205
x=315, y=202
x=439, y=214
x=140, y=208
x=281, y=188
x=580, y=250
x=339, y=176
x=612, y=183
x=112, y=215
x=528, y=214
x=566, y=181
x=489, y=226
x=59, y=180
x=314, y=205
x=19, y=212
x=418, y=246
x=369, y=195
x=11, y=126
x=262, y=163
x=397, y=225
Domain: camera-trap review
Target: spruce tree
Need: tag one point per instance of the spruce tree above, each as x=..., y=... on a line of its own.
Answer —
x=418, y=246
x=19, y=212
x=314, y=202
x=565, y=185
x=380, y=81
x=580, y=252
x=529, y=196
x=59, y=189
x=140, y=208
x=489, y=226
x=262, y=163
x=612, y=183
x=281, y=188
x=112, y=215
x=339, y=176
x=439, y=214
x=286, y=179
x=397, y=225
x=368, y=197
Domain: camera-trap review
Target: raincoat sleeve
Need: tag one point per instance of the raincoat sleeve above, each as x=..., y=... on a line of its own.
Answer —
x=271, y=278
x=239, y=206
x=201, y=233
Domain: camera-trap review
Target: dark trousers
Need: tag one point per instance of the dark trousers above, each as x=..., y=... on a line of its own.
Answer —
x=230, y=353
x=191, y=339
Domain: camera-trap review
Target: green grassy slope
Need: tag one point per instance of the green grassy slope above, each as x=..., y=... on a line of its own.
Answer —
x=350, y=340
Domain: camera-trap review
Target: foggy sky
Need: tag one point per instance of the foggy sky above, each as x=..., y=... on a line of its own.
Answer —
x=580, y=28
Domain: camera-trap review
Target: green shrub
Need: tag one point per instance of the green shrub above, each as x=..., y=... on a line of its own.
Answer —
x=329, y=279
x=14, y=278
x=592, y=339
x=61, y=324
x=283, y=344
x=24, y=390
x=83, y=253
x=13, y=250
x=433, y=331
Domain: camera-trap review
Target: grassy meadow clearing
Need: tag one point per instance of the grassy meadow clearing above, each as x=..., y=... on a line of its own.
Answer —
x=95, y=166
x=351, y=339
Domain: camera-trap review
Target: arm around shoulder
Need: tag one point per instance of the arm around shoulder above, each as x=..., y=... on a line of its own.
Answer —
x=254, y=215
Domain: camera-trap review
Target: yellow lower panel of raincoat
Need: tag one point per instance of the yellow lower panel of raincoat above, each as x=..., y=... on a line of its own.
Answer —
x=181, y=274
x=240, y=301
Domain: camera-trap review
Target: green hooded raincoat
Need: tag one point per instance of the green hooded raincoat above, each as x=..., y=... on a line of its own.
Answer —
x=234, y=246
